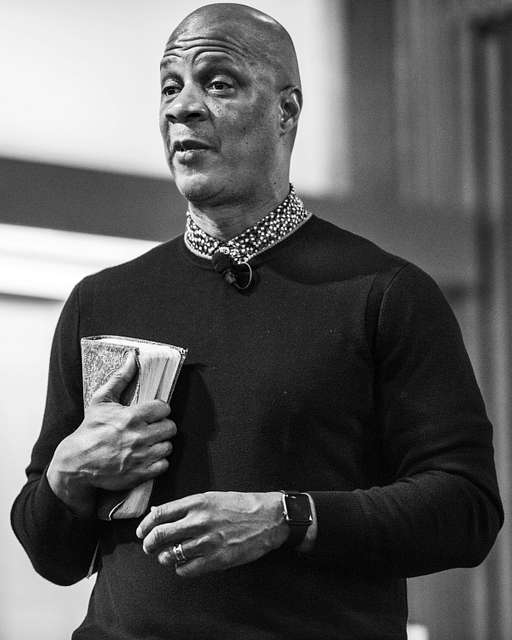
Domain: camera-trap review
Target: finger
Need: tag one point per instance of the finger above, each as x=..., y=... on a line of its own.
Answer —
x=197, y=567
x=191, y=549
x=164, y=536
x=167, y=558
x=142, y=472
x=169, y=512
x=155, y=469
x=159, y=431
x=112, y=390
x=158, y=451
x=207, y=563
x=151, y=411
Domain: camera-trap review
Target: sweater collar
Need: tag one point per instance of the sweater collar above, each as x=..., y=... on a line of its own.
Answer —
x=277, y=225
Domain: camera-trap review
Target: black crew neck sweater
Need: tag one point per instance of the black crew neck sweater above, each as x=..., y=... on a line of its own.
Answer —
x=342, y=372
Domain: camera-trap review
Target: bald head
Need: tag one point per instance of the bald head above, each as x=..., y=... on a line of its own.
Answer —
x=230, y=105
x=254, y=35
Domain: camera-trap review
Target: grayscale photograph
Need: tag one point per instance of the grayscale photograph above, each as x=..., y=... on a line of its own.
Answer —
x=256, y=320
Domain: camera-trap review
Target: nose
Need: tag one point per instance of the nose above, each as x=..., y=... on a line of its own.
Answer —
x=187, y=106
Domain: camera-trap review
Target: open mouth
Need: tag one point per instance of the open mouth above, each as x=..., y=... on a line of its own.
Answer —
x=189, y=145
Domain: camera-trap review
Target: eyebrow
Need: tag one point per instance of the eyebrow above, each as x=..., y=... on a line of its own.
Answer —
x=164, y=63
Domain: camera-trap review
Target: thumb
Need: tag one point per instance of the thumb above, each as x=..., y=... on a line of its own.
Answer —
x=113, y=389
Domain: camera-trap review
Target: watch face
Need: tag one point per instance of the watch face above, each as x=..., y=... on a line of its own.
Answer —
x=298, y=509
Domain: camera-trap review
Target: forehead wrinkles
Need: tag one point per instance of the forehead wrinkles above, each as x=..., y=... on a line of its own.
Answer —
x=197, y=44
x=184, y=44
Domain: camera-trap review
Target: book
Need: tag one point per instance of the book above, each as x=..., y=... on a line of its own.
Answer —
x=158, y=367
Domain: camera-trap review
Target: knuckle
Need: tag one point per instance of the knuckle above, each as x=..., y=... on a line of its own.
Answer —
x=119, y=428
x=122, y=461
x=130, y=417
x=207, y=544
x=200, y=522
x=218, y=539
x=204, y=500
x=158, y=536
x=136, y=439
x=157, y=513
x=150, y=472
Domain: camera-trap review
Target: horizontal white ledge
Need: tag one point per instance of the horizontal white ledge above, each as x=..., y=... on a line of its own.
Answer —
x=46, y=263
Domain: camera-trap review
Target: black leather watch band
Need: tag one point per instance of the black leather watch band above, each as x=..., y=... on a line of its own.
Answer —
x=298, y=516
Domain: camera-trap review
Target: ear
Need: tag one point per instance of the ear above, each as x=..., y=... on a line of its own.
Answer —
x=290, y=107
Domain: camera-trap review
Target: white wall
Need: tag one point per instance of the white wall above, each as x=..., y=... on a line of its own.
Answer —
x=80, y=84
x=38, y=267
x=30, y=607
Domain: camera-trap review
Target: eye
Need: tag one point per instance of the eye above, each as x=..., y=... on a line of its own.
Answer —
x=220, y=86
x=170, y=90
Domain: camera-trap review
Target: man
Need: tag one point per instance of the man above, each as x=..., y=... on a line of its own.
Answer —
x=317, y=362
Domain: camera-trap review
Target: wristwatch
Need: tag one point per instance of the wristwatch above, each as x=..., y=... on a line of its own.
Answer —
x=297, y=513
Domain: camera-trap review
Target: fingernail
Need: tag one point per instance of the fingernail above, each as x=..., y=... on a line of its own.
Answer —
x=138, y=532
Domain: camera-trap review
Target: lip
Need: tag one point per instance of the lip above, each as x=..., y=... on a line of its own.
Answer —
x=184, y=145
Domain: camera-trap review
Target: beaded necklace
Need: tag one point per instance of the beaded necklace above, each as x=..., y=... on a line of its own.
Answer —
x=267, y=232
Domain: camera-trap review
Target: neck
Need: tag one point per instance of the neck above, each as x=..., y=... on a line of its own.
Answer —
x=227, y=221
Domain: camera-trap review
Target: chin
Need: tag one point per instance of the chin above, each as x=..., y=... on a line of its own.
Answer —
x=197, y=188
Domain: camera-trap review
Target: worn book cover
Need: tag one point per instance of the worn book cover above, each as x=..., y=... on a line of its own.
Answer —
x=158, y=369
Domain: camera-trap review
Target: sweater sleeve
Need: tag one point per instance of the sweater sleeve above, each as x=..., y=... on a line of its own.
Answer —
x=441, y=507
x=59, y=544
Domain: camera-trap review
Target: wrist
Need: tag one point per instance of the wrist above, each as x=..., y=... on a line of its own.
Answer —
x=280, y=529
x=69, y=486
x=299, y=514
x=309, y=539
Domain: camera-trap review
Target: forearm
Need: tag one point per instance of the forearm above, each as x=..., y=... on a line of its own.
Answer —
x=429, y=522
x=60, y=544
x=437, y=505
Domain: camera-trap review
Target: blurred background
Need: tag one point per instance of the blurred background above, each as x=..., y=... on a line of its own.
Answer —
x=405, y=138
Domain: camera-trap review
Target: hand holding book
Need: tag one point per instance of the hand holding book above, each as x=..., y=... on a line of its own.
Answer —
x=117, y=447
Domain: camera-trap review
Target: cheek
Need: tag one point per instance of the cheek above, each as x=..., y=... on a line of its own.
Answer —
x=251, y=131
